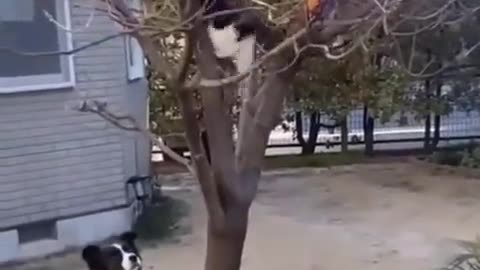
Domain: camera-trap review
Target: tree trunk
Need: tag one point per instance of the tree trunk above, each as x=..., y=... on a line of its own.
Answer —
x=204, y=137
x=436, y=131
x=427, y=136
x=368, y=130
x=428, y=120
x=225, y=247
x=308, y=148
x=308, y=145
x=344, y=135
x=437, y=118
x=299, y=128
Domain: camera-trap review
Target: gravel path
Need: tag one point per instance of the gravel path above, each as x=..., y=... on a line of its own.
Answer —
x=386, y=216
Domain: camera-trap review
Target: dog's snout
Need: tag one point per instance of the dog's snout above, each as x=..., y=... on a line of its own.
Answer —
x=133, y=258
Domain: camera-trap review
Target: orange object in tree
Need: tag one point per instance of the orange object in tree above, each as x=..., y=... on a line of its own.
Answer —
x=319, y=8
x=311, y=6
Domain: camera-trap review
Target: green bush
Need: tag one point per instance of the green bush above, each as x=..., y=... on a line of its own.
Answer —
x=447, y=158
x=161, y=221
x=316, y=161
x=471, y=159
x=468, y=157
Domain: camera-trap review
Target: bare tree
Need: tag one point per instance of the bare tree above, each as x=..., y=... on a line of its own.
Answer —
x=229, y=181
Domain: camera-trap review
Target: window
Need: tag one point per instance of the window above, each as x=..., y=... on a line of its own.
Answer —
x=24, y=27
x=36, y=231
x=135, y=59
x=135, y=56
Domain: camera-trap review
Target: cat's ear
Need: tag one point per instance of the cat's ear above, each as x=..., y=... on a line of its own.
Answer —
x=129, y=238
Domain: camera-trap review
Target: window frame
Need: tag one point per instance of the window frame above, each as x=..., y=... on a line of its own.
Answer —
x=135, y=70
x=62, y=80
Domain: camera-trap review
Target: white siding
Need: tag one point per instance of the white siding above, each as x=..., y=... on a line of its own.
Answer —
x=55, y=161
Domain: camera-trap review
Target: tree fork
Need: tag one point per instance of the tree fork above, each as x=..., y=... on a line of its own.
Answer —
x=225, y=246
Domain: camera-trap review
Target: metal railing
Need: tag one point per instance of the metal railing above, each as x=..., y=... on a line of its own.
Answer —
x=402, y=131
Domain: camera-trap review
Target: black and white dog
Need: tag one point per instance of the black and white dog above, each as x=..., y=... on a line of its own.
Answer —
x=233, y=35
x=122, y=255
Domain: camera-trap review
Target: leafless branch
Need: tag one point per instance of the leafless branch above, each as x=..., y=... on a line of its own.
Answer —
x=65, y=52
x=227, y=12
x=433, y=14
x=412, y=52
x=464, y=54
x=207, y=83
x=286, y=43
x=88, y=23
x=100, y=109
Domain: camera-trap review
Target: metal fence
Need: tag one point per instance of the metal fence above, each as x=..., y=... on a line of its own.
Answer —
x=403, y=131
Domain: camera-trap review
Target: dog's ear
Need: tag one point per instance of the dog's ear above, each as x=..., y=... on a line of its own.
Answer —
x=128, y=237
x=92, y=255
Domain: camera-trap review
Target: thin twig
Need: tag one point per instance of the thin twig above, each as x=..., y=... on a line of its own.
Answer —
x=65, y=52
x=87, y=25
x=101, y=110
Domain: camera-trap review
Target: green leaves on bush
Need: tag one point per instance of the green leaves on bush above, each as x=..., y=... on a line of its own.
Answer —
x=161, y=221
x=469, y=157
x=452, y=158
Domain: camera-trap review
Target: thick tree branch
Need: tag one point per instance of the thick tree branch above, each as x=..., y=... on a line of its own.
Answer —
x=458, y=59
x=330, y=28
x=217, y=120
x=205, y=174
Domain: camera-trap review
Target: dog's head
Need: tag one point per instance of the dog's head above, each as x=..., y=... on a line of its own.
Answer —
x=122, y=255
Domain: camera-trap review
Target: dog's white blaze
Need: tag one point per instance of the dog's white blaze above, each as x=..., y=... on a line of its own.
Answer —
x=126, y=263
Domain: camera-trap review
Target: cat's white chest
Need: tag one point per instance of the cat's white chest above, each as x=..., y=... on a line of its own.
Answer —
x=226, y=45
x=224, y=40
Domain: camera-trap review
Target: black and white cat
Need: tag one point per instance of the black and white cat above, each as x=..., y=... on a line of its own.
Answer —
x=233, y=36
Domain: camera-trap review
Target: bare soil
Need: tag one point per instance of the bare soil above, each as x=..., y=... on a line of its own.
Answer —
x=373, y=216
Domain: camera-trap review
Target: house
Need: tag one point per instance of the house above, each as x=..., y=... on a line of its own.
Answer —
x=63, y=172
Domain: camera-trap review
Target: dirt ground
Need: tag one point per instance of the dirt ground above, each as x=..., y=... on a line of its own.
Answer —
x=384, y=216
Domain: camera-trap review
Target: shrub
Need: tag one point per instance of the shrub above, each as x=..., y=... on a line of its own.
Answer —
x=161, y=221
x=468, y=157
x=451, y=158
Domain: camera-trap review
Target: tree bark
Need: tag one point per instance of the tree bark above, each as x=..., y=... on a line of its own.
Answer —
x=204, y=137
x=368, y=130
x=436, y=131
x=427, y=136
x=299, y=128
x=428, y=119
x=344, y=135
x=437, y=118
x=225, y=247
x=308, y=147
